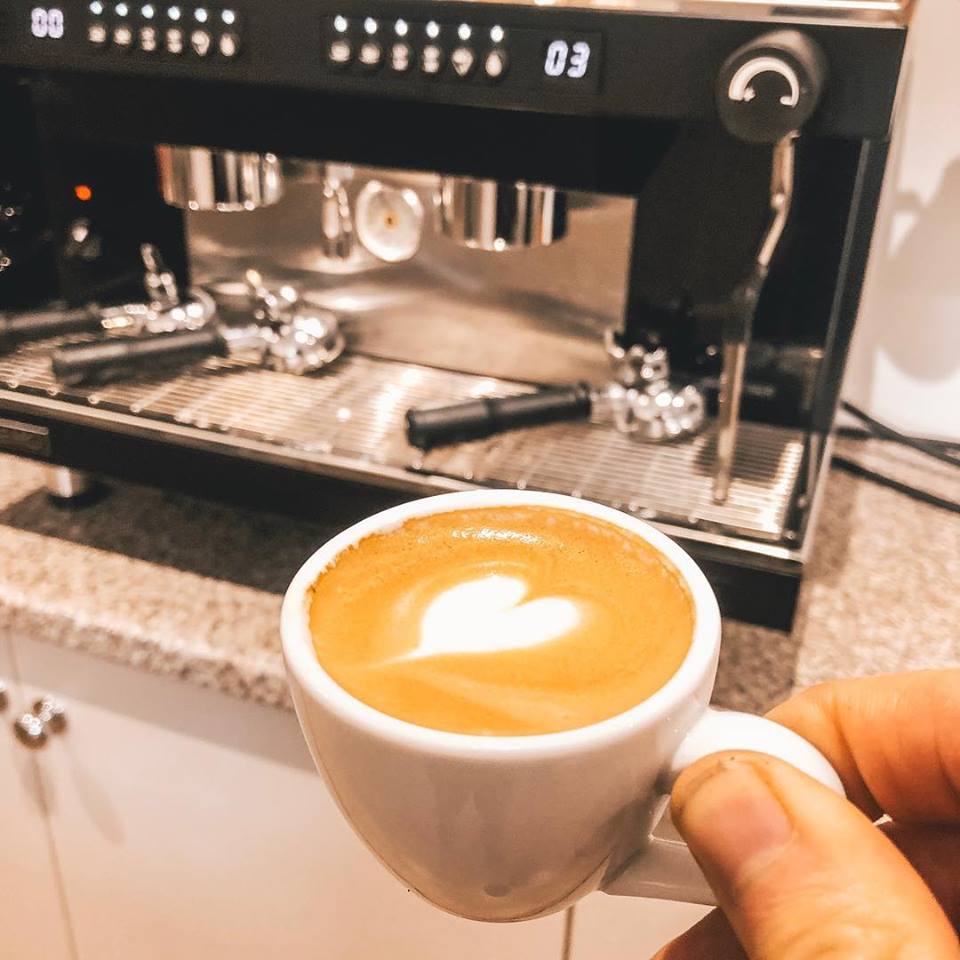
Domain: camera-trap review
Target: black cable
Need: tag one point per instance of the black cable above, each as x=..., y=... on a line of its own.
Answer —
x=858, y=470
x=929, y=447
x=864, y=433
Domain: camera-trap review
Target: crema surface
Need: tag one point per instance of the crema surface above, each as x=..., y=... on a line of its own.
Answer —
x=503, y=621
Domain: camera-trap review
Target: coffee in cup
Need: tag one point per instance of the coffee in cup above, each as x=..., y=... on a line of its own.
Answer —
x=502, y=621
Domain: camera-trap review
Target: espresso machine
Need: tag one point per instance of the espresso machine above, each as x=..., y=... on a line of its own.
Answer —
x=608, y=248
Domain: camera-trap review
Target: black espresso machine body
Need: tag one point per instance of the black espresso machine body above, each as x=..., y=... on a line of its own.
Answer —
x=719, y=164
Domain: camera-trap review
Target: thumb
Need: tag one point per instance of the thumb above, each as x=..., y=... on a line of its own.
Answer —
x=799, y=871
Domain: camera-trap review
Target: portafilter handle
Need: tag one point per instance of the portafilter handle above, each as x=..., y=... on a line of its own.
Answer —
x=658, y=413
x=163, y=310
x=307, y=343
x=111, y=359
x=487, y=416
x=49, y=322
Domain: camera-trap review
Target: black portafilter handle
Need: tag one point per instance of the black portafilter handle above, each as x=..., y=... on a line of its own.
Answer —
x=487, y=416
x=49, y=322
x=109, y=359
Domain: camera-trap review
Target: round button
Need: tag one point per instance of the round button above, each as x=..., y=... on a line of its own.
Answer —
x=97, y=33
x=340, y=52
x=462, y=60
x=123, y=36
x=431, y=60
x=401, y=57
x=371, y=54
x=495, y=64
x=200, y=41
x=148, y=39
x=174, y=40
x=228, y=45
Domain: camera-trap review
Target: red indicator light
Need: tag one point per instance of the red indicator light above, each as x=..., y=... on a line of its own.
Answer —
x=83, y=192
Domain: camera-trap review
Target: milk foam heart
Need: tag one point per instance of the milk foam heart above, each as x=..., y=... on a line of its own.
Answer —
x=488, y=616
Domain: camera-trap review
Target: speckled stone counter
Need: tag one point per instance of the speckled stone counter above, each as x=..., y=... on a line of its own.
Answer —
x=183, y=587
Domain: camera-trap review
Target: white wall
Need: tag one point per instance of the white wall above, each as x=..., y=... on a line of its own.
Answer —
x=905, y=363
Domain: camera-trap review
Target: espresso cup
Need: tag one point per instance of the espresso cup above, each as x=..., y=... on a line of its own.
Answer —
x=506, y=828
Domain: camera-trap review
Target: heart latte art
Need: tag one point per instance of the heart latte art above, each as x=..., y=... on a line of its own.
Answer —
x=490, y=614
x=502, y=621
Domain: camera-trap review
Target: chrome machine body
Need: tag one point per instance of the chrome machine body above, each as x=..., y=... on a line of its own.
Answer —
x=668, y=203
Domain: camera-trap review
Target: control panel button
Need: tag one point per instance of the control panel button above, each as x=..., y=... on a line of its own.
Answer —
x=201, y=42
x=495, y=64
x=148, y=39
x=123, y=36
x=97, y=33
x=173, y=40
x=401, y=57
x=228, y=45
x=340, y=52
x=462, y=60
x=431, y=59
x=371, y=54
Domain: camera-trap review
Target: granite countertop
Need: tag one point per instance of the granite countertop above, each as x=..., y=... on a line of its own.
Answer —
x=179, y=586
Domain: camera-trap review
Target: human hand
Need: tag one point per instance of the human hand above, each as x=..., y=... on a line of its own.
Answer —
x=801, y=873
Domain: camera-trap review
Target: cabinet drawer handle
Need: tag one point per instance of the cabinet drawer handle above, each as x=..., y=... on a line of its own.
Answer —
x=48, y=717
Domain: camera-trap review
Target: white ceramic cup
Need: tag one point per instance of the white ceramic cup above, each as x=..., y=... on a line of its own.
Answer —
x=509, y=828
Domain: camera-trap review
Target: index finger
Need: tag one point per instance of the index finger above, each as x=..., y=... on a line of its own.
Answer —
x=894, y=740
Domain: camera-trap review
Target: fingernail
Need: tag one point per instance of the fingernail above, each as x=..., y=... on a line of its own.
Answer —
x=731, y=819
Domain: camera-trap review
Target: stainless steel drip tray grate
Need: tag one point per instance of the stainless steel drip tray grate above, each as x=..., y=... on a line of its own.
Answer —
x=349, y=422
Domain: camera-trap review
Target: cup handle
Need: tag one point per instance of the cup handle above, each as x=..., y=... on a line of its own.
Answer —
x=665, y=869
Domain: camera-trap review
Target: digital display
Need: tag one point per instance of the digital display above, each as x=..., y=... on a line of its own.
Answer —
x=567, y=59
x=46, y=23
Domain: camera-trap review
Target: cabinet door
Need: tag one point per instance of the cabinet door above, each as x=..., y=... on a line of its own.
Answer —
x=189, y=824
x=32, y=918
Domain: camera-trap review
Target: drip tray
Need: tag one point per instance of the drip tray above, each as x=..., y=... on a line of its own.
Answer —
x=348, y=422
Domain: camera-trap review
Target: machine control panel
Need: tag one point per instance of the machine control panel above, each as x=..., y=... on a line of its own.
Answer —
x=157, y=28
x=762, y=80
x=460, y=52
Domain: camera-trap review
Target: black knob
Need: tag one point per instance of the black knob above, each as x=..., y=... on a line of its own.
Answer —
x=771, y=86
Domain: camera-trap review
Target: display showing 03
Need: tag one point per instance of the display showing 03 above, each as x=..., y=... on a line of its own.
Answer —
x=564, y=59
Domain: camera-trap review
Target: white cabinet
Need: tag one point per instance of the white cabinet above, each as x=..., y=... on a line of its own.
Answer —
x=169, y=821
x=188, y=824
x=32, y=917
x=622, y=928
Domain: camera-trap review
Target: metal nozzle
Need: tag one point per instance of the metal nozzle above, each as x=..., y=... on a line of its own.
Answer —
x=195, y=178
x=499, y=215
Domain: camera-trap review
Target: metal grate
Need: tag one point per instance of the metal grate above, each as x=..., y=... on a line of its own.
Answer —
x=353, y=414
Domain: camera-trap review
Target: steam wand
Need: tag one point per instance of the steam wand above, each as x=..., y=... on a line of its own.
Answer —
x=738, y=313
